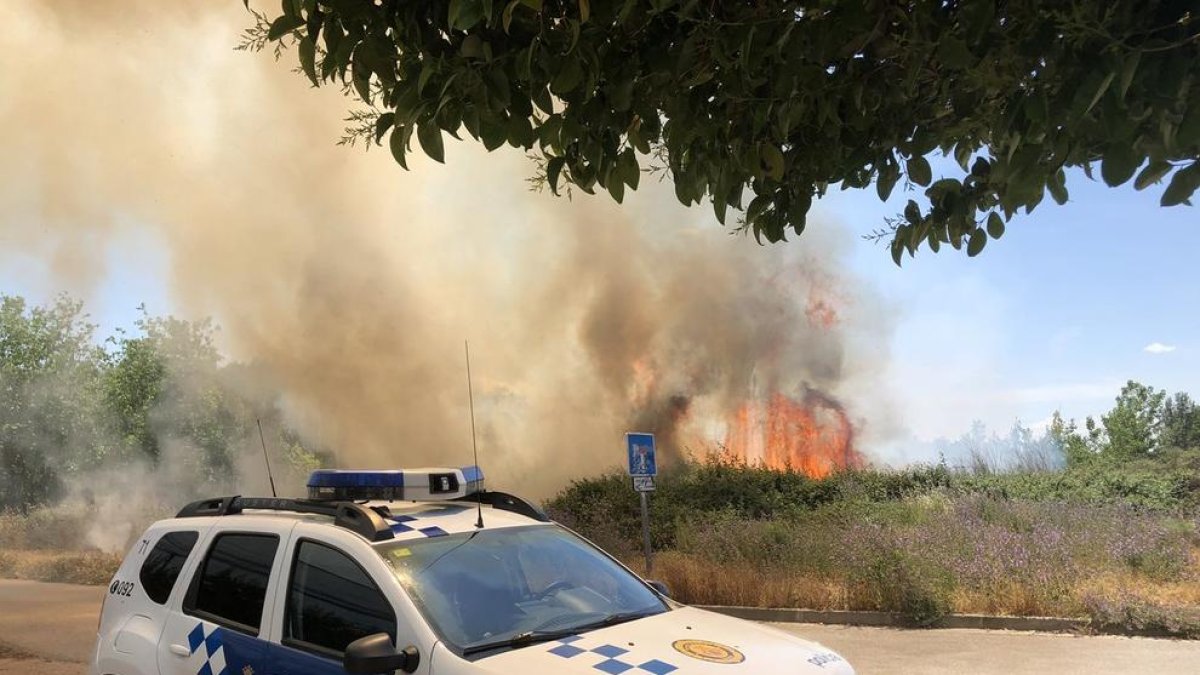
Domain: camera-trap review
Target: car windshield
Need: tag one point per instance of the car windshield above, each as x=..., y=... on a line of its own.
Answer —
x=485, y=587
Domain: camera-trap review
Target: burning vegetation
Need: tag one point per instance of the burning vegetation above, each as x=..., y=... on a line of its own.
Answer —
x=810, y=433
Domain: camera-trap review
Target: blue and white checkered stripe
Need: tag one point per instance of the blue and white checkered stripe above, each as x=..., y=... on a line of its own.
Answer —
x=208, y=643
x=402, y=524
x=613, y=659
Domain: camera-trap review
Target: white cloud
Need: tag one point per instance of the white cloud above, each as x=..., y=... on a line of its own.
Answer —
x=1158, y=348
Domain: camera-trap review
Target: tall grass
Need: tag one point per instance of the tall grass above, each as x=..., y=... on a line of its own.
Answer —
x=922, y=543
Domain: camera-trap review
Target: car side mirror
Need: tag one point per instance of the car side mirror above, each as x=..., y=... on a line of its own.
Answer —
x=374, y=654
x=662, y=588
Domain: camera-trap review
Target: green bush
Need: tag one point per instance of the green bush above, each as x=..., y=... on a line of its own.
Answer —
x=690, y=489
x=907, y=585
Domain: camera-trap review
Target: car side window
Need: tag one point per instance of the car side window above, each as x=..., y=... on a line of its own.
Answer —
x=164, y=563
x=231, y=586
x=332, y=601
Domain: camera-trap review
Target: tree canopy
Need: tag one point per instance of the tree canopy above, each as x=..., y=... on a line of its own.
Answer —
x=71, y=406
x=763, y=106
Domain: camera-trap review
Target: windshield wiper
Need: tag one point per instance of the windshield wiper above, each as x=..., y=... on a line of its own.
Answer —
x=614, y=619
x=534, y=636
x=520, y=640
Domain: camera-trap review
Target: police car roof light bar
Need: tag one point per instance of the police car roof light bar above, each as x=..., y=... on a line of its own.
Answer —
x=402, y=485
x=364, y=520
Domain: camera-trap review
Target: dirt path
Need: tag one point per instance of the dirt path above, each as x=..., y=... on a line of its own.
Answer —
x=51, y=621
x=13, y=662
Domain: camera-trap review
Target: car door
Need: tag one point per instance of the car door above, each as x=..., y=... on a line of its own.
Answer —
x=336, y=589
x=217, y=629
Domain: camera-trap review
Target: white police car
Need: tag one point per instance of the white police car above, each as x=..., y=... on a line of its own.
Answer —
x=420, y=571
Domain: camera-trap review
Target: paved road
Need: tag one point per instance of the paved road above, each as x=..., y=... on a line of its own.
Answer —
x=876, y=651
x=48, y=629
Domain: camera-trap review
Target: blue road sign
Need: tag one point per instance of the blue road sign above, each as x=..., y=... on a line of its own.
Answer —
x=641, y=454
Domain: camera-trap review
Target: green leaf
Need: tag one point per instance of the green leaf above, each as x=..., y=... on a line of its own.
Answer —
x=472, y=47
x=429, y=135
x=520, y=132
x=912, y=212
x=622, y=95
x=308, y=59
x=1153, y=173
x=1183, y=184
x=995, y=225
x=464, y=14
x=492, y=133
x=382, y=124
x=506, y=17
x=772, y=160
x=284, y=25
x=886, y=181
x=616, y=187
x=976, y=243
x=568, y=77
x=630, y=172
x=575, y=32
x=719, y=207
x=1104, y=85
x=553, y=169
x=954, y=53
x=1057, y=184
x=1128, y=69
x=585, y=12
x=497, y=85
x=398, y=143
x=919, y=171
x=1119, y=164
x=962, y=154
x=541, y=98
x=360, y=73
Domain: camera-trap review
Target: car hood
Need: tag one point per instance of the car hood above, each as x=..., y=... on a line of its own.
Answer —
x=683, y=641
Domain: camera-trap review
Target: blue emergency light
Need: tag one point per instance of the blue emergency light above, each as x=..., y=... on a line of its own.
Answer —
x=400, y=485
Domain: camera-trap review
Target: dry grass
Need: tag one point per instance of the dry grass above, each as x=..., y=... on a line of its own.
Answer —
x=45, y=529
x=71, y=567
x=695, y=580
x=702, y=582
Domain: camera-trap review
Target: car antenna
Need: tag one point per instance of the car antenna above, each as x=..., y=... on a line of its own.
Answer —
x=265, y=457
x=474, y=445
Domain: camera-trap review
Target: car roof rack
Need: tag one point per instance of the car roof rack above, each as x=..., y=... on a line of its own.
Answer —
x=505, y=502
x=364, y=520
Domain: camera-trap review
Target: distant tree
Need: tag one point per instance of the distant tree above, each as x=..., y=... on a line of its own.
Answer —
x=1133, y=428
x=1181, y=422
x=50, y=398
x=982, y=452
x=132, y=386
x=1075, y=447
x=68, y=406
x=763, y=106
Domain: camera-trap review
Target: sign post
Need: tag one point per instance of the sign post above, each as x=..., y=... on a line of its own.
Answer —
x=643, y=467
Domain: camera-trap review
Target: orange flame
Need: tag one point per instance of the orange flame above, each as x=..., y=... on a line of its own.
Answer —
x=812, y=435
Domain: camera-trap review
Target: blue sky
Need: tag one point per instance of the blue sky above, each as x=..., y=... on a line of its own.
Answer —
x=1055, y=315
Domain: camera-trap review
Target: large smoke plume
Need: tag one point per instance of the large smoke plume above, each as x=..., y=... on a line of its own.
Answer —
x=351, y=284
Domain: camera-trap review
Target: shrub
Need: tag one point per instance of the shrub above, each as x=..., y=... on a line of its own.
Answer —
x=1129, y=612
